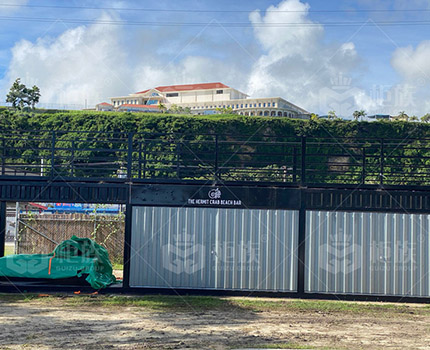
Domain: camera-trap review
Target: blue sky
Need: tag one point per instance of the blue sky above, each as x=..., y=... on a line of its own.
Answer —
x=383, y=69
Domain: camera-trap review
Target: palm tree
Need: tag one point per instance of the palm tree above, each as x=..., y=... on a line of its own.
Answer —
x=358, y=114
x=402, y=116
x=426, y=118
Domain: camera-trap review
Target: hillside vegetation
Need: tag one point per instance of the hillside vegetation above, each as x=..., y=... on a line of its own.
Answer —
x=222, y=124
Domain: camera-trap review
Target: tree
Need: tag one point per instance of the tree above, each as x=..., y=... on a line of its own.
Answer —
x=20, y=96
x=224, y=110
x=34, y=96
x=402, y=116
x=426, y=118
x=332, y=115
x=162, y=107
x=173, y=108
x=314, y=117
x=413, y=118
x=358, y=114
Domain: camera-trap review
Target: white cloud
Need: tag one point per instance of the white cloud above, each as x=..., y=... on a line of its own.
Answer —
x=82, y=63
x=15, y=6
x=300, y=66
x=96, y=62
x=413, y=66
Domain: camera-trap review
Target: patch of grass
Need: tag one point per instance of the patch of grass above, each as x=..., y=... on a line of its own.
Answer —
x=292, y=346
x=315, y=306
x=117, y=266
x=153, y=302
x=11, y=298
x=202, y=303
x=9, y=249
x=284, y=346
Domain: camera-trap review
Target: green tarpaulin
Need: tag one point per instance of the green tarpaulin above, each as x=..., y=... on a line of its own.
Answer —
x=75, y=257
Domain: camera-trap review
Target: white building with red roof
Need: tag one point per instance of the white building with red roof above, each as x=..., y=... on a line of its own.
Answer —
x=104, y=106
x=207, y=98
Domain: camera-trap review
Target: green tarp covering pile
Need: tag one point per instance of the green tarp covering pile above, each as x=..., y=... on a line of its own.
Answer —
x=75, y=257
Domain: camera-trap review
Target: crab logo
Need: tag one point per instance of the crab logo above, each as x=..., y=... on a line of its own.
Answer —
x=214, y=193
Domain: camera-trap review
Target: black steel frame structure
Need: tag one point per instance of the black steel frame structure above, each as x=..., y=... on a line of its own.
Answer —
x=264, y=172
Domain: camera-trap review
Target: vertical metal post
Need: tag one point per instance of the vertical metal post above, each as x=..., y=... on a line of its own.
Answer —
x=140, y=160
x=127, y=244
x=363, y=166
x=53, y=153
x=3, y=157
x=301, y=248
x=73, y=158
x=144, y=160
x=178, y=159
x=303, y=177
x=2, y=227
x=130, y=155
x=217, y=175
x=381, y=162
x=294, y=164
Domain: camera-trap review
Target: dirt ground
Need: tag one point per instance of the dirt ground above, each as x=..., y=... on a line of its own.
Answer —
x=67, y=322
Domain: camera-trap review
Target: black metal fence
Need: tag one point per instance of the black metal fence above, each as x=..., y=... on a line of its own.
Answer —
x=295, y=160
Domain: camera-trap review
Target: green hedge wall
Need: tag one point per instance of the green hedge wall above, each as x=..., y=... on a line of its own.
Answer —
x=193, y=125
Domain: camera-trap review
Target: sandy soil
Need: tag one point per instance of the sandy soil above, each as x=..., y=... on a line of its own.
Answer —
x=55, y=324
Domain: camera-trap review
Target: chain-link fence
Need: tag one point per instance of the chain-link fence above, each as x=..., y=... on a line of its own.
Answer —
x=40, y=233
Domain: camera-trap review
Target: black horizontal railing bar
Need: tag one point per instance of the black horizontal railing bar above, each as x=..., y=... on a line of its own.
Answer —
x=245, y=137
x=305, y=160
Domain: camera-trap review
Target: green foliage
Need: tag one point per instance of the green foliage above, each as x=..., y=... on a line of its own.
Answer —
x=196, y=134
x=358, y=114
x=21, y=96
x=227, y=110
x=332, y=115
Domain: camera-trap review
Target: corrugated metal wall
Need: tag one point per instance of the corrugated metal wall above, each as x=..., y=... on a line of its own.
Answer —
x=238, y=249
x=367, y=253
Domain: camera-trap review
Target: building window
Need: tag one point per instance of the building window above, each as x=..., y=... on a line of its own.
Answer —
x=128, y=102
x=219, y=92
x=237, y=106
x=172, y=94
x=264, y=105
x=255, y=105
x=259, y=105
x=273, y=104
x=241, y=106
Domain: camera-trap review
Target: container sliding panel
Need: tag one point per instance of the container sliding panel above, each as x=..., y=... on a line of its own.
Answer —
x=367, y=253
x=228, y=249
